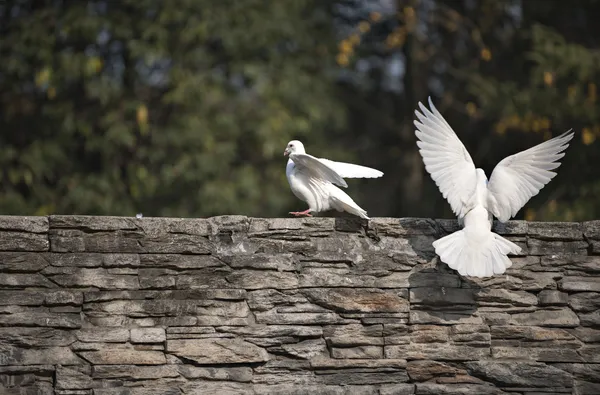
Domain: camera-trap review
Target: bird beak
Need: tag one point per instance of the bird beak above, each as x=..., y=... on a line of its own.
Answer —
x=286, y=152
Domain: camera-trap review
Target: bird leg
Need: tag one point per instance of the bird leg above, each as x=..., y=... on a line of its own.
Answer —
x=305, y=213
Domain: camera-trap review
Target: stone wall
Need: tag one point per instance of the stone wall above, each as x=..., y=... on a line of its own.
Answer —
x=320, y=306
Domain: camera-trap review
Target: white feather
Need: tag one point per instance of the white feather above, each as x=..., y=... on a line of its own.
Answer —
x=349, y=170
x=446, y=159
x=519, y=177
x=476, y=250
x=312, y=180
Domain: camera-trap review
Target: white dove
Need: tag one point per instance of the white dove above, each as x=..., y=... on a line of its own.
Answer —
x=475, y=250
x=311, y=180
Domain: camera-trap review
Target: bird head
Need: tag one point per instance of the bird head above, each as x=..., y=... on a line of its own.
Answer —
x=294, y=147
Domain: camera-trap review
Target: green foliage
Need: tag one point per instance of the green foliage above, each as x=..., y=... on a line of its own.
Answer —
x=183, y=108
x=176, y=108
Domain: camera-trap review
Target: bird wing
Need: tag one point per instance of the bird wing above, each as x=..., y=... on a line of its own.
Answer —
x=446, y=159
x=318, y=169
x=519, y=177
x=349, y=170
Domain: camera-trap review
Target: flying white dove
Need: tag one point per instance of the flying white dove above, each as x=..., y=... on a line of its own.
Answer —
x=476, y=250
x=311, y=180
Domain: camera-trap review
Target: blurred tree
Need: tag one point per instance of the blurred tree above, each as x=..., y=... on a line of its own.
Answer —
x=176, y=108
x=182, y=108
x=506, y=74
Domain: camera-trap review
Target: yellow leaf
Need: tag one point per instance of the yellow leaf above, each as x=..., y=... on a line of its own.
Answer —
x=529, y=214
x=51, y=93
x=342, y=59
x=571, y=91
x=364, y=26
x=471, y=109
x=345, y=47
x=547, y=135
x=501, y=128
x=545, y=123
x=409, y=12
x=587, y=136
x=142, y=115
x=375, y=16
x=486, y=54
x=592, y=94
x=548, y=78
x=552, y=206
x=43, y=76
x=354, y=39
x=93, y=65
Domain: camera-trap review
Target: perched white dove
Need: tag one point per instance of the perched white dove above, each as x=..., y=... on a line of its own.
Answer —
x=476, y=250
x=311, y=180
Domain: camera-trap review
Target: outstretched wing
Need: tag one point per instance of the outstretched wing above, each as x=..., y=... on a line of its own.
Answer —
x=318, y=169
x=517, y=178
x=349, y=170
x=446, y=158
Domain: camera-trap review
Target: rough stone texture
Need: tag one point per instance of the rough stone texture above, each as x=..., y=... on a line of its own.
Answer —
x=319, y=306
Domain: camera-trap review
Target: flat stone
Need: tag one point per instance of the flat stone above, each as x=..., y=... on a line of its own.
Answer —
x=36, y=317
x=505, y=298
x=323, y=362
x=591, y=229
x=135, y=372
x=23, y=241
x=434, y=280
x=306, y=349
x=543, y=247
x=273, y=317
x=22, y=262
x=102, y=335
x=563, y=317
x=148, y=335
x=531, y=333
x=436, y=351
x=19, y=280
x=349, y=300
x=241, y=374
x=582, y=263
x=442, y=296
x=217, y=351
x=64, y=298
x=98, y=278
x=38, y=356
x=555, y=230
x=548, y=297
x=251, y=279
x=537, y=353
x=36, y=337
x=585, y=301
x=444, y=317
x=123, y=356
x=426, y=370
x=456, y=389
x=358, y=352
x=72, y=378
x=272, y=330
x=580, y=284
x=324, y=278
x=21, y=298
x=520, y=374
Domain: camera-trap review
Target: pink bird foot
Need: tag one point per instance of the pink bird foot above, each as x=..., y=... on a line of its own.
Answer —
x=305, y=213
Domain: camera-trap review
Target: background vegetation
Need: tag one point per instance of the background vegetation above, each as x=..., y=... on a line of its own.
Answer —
x=184, y=107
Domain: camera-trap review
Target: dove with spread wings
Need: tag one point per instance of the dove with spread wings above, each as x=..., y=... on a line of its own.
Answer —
x=475, y=250
x=312, y=180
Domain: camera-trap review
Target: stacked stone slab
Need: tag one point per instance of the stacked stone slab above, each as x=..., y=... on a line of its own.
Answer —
x=320, y=306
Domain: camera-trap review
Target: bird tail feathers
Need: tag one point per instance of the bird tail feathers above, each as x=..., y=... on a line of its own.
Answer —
x=342, y=202
x=476, y=258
